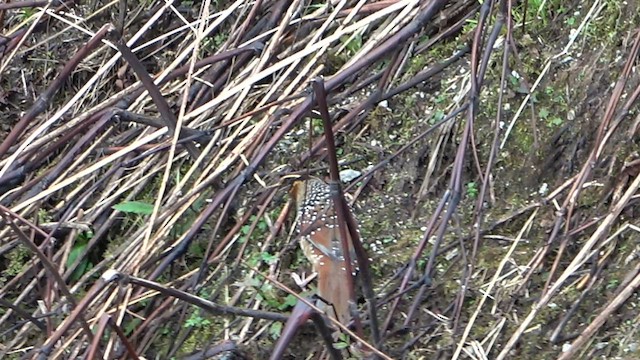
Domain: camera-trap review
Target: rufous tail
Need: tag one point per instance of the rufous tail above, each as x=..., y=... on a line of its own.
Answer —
x=333, y=287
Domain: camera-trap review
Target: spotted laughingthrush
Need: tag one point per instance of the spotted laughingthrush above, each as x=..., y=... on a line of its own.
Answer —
x=317, y=223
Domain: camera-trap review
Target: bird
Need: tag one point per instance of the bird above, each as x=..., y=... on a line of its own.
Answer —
x=317, y=224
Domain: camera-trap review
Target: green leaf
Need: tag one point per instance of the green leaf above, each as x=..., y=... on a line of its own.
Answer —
x=437, y=116
x=196, y=249
x=269, y=258
x=132, y=325
x=84, y=264
x=289, y=301
x=197, y=321
x=275, y=329
x=75, y=252
x=136, y=207
x=253, y=260
x=472, y=190
x=514, y=80
x=544, y=113
x=353, y=45
x=556, y=121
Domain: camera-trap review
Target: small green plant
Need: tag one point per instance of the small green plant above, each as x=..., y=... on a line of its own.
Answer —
x=418, y=63
x=342, y=342
x=514, y=80
x=211, y=44
x=269, y=295
x=289, y=301
x=549, y=90
x=313, y=7
x=612, y=284
x=25, y=13
x=472, y=189
x=78, y=248
x=441, y=98
x=197, y=321
x=422, y=262
x=410, y=101
x=16, y=261
x=437, y=116
x=132, y=325
x=555, y=121
x=261, y=228
x=317, y=126
x=219, y=39
x=551, y=121
x=353, y=44
x=269, y=258
x=43, y=216
x=275, y=330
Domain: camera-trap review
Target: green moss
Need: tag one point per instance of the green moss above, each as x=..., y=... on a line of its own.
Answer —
x=16, y=262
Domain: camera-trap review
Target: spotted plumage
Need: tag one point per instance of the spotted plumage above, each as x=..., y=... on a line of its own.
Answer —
x=317, y=224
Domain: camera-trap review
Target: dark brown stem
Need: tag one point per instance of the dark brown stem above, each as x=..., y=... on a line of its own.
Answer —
x=165, y=111
x=299, y=316
x=202, y=303
x=338, y=197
